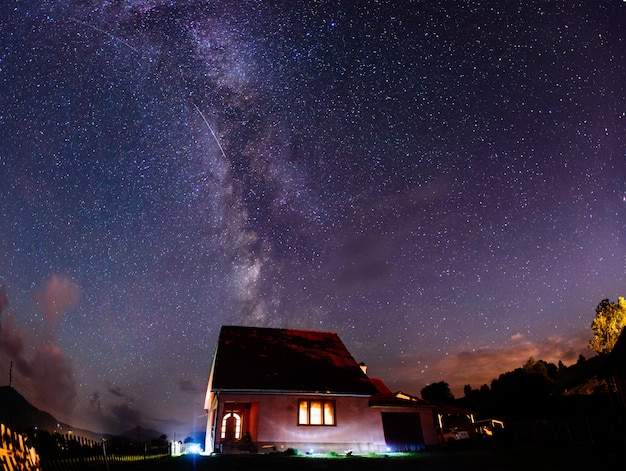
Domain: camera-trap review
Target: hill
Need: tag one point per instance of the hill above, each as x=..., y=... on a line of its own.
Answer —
x=20, y=415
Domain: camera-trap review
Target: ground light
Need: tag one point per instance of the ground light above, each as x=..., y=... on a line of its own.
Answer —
x=178, y=448
x=194, y=448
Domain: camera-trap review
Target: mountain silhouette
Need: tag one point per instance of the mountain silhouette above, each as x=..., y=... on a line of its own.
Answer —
x=20, y=415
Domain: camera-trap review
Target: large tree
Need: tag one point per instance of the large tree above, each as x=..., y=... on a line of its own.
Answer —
x=608, y=324
x=438, y=393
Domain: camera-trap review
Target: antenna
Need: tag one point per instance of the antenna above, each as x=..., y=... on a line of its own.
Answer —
x=11, y=374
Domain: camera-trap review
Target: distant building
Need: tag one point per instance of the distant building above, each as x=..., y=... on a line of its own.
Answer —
x=278, y=389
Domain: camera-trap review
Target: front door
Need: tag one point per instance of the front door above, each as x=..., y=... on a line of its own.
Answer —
x=236, y=428
x=232, y=428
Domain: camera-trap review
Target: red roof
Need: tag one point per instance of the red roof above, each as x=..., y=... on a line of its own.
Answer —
x=381, y=387
x=264, y=359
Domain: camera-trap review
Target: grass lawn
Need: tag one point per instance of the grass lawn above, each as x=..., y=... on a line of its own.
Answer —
x=533, y=459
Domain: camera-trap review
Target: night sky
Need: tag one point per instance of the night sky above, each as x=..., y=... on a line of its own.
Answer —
x=443, y=184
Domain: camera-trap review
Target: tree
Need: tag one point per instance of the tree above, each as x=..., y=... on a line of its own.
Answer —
x=522, y=393
x=608, y=324
x=438, y=393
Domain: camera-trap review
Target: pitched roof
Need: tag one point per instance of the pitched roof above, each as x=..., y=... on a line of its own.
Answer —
x=387, y=398
x=264, y=359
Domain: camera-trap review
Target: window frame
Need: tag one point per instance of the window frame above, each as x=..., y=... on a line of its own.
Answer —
x=238, y=427
x=324, y=403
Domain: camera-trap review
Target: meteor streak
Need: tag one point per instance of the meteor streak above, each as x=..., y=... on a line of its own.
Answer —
x=210, y=129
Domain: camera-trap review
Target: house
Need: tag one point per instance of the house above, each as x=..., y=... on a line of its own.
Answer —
x=408, y=421
x=279, y=389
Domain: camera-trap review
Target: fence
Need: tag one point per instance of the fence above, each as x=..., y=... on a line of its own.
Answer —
x=15, y=454
x=43, y=451
x=74, y=453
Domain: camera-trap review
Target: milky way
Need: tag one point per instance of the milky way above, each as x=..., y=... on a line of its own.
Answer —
x=443, y=184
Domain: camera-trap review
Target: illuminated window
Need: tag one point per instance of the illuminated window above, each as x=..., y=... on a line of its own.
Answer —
x=316, y=412
x=231, y=426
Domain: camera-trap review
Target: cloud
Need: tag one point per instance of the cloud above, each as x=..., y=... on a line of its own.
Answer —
x=101, y=417
x=125, y=416
x=116, y=391
x=57, y=296
x=95, y=403
x=363, y=262
x=12, y=344
x=53, y=378
x=187, y=385
x=112, y=418
x=49, y=370
x=480, y=366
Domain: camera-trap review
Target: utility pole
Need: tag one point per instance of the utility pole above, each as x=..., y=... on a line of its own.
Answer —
x=11, y=375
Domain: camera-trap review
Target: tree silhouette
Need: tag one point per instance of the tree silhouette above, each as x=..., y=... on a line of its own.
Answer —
x=438, y=393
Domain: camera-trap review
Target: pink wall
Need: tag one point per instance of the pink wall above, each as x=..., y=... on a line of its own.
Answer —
x=358, y=427
x=427, y=419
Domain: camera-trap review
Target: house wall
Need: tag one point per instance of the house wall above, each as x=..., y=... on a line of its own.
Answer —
x=429, y=427
x=358, y=427
x=427, y=419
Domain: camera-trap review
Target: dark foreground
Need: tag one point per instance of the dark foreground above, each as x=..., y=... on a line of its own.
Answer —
x=471, y=459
